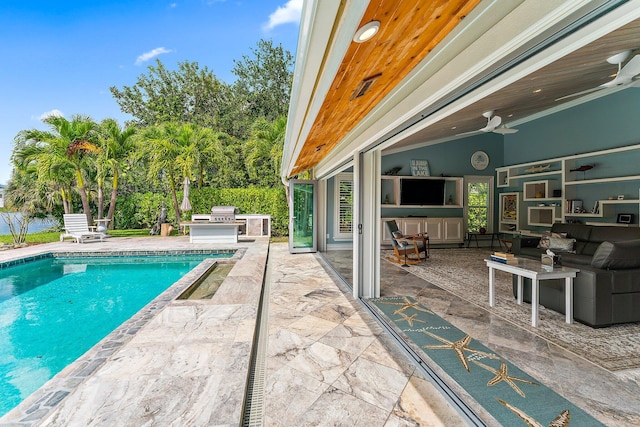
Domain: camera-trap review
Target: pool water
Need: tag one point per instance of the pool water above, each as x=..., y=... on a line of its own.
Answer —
x=55, y=309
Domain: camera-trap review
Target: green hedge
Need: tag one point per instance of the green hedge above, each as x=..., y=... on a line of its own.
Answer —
x=140, y=210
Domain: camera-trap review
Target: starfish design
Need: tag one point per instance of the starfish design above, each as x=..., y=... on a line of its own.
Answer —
x=407, y=305
x=409, y=319
x=458, y=348
x=503, y=375
x=561, y=420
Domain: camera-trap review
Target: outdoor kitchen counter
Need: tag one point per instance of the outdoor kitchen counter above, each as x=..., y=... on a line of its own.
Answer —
x=212, y=232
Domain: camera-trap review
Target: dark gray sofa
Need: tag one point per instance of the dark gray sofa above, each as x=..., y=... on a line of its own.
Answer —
x=607, y=289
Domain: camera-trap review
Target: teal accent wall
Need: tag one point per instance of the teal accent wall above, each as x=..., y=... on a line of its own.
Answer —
x=607, y=122
x=448, y=158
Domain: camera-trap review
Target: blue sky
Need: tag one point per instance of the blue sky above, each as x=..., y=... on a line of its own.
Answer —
x=63, y=56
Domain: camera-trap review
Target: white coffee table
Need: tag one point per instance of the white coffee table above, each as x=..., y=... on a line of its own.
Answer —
x=535, y=271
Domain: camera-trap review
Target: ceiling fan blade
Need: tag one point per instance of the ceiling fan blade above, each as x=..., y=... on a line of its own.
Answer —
x=504, y=130
x=493, y=123
x=630, y=70
x=474, y=132
x=584, y=92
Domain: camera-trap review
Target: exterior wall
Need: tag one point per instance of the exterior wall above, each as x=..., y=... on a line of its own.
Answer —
x=2, y=192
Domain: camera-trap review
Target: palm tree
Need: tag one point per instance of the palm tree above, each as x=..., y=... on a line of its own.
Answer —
x=263, y=150
x=52, y=175
x=61, y=149
x=160, y=146
x=117, y=145
x=180, y=151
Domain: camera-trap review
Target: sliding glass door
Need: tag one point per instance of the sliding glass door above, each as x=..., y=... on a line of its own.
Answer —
x=302, y=216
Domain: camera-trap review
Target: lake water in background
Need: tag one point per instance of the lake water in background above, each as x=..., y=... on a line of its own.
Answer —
x=35, y=225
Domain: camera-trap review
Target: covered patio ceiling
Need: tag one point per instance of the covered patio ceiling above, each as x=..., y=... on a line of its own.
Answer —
x=413, y=61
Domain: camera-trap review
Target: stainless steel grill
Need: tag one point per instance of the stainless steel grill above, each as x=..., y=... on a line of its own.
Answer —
x=223, y=214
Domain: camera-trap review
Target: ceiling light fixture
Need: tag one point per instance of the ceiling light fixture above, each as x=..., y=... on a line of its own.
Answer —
x=366, y=32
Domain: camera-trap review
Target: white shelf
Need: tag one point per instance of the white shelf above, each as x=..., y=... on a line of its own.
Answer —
x=535, y=174
x=619, y=202
x=601, y=183
x=604, y=180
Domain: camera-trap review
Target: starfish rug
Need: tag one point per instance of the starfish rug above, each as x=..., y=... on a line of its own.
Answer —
x=506, y=392
x=464, y=273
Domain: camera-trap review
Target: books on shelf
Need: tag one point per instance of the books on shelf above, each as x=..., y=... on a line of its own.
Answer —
x=574, y=206
x=504, y=258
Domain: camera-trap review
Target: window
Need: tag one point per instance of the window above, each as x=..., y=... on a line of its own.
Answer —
x=479, y=203
x=344, y=206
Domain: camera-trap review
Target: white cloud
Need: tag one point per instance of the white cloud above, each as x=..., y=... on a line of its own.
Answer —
x=56, y=113
x=151, y=54
x=289, y=13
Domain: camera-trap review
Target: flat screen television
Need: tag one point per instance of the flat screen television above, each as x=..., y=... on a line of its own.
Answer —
x=421, y=192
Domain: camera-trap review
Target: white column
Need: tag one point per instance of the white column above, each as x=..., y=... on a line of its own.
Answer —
x=366, y=250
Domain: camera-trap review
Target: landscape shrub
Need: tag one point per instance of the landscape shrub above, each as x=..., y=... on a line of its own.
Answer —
x=141, y=210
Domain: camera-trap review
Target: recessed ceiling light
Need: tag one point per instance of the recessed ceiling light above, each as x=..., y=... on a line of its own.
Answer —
x=537, y=91
x=366, y=32
x=454, y=127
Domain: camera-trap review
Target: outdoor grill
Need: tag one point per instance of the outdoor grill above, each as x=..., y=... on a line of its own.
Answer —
x=223, y=214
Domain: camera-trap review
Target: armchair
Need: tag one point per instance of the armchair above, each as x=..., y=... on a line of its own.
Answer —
x=407, y=249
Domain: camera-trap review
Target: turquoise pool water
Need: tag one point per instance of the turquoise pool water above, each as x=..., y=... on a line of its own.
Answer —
x=55, y=309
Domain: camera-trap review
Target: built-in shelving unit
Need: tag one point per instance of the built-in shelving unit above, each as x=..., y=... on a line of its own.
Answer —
x=510, y=215
x=600, y=185
x=440, y=230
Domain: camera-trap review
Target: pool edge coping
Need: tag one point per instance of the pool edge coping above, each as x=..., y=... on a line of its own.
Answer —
x=39, y=404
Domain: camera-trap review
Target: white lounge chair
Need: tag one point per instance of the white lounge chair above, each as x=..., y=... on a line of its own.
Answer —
x=76, y=227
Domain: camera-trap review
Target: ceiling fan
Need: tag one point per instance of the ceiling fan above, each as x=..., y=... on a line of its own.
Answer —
x=493, y=125
x=624, y=76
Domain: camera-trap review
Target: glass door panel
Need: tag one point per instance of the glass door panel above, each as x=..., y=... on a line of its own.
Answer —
x=302, y=216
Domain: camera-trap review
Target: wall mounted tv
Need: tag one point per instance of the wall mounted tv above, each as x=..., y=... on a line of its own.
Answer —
x=422, y=192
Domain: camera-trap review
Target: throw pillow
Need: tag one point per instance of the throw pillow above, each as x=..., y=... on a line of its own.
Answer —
x=547, y=235
x=558, y=244
x=617, y=255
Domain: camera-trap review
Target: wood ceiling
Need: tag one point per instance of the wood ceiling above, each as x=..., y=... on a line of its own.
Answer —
x=409, y=30
x=582, y=69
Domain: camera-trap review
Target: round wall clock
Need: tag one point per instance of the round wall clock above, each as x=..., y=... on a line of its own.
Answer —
x=479, y=160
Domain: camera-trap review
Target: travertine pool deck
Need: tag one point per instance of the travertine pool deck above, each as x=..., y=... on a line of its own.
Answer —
x=179, y=363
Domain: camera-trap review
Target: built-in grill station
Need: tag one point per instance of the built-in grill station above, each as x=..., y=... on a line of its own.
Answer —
x=219, y=227
x=223, y=214
x=224, y=225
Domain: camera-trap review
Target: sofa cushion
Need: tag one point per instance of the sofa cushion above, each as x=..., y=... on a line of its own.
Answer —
x=617, y=255
x=579, y=232
x=609, y=234
x=575, y=259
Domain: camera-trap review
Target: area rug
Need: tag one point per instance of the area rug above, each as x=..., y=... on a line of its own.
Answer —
x=464, y=273
x=507, y=393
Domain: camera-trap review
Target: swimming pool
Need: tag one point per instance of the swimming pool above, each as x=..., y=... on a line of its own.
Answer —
x=52, y=310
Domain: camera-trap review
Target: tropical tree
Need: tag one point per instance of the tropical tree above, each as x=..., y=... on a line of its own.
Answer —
x=264, y=80
x=179, y=151
x=116, y=146
x=263, y=151
x=61, y=152
x=188, y=95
